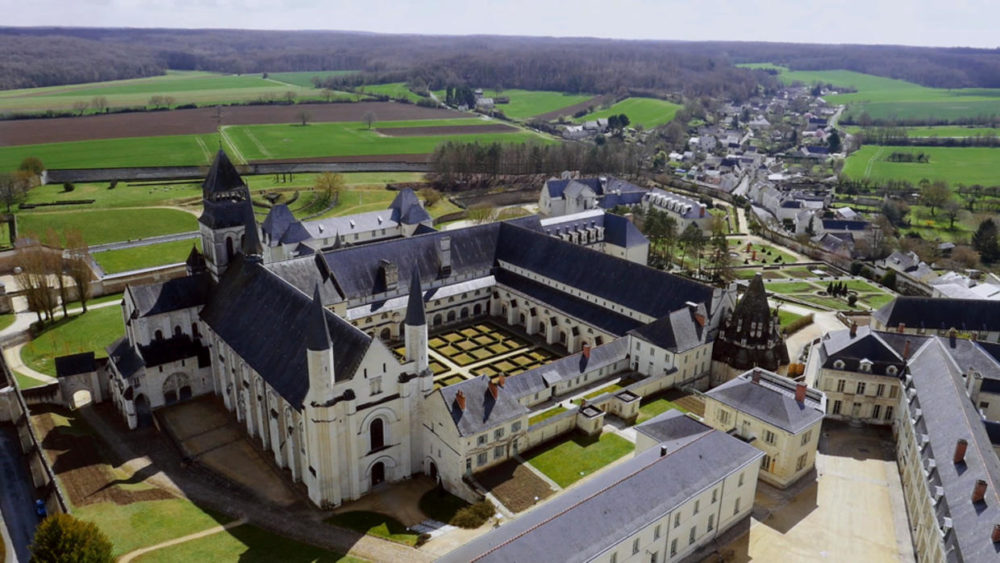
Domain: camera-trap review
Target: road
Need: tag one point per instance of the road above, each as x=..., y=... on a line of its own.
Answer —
x=17, y=497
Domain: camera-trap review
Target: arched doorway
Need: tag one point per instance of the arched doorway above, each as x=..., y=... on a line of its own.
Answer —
x=437, y=319
x=81, y=398
x=477, y=309
x=185, y=392
x=170, y=397
x=385, y=335
x=464, y=313
x=451, y=316
x=378, y=474
x=376, y=433
x=433, y=471
x=229, y=249
x=143, y=413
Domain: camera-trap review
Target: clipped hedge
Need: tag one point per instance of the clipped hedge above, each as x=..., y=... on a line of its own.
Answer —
x=799, y=324
x=474, y=515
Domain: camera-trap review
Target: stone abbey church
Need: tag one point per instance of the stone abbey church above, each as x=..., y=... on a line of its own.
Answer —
x=315, y=336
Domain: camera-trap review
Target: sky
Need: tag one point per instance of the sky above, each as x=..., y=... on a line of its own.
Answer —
x=905, y=22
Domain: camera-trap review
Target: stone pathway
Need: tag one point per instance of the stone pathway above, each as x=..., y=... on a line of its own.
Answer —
x=213, y=530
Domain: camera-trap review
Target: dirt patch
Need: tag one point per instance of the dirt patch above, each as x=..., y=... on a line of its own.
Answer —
x=83, y=464
x=514, y=485
x=199, y=121
x=381, y=158
x=446, y=130
x=570, y=110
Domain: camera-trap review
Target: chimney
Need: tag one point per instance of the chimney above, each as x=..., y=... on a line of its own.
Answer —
x=960, y=448
x=501, y=380
x=995, y=536
x=444, y=255
x=979, y=493
x=952, y=337
x=663, y=452
x=901, y=327
x=800, y=393
x=756, y=376
x=854, y=329
x=493, y=389
x=460, y=400
x=586, y=351
x=702, y=211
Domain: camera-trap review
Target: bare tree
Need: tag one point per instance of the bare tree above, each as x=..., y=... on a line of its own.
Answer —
x=168, y=101
x=290, y=97
x=156, y=101
x=78, y=265
x=304, y=116
x=369, y=119
x=99, y=103
x=327, y=94
x=12, y=189
x=56, y=265
x=329, y=186
x=33, y=277
x=80, y=107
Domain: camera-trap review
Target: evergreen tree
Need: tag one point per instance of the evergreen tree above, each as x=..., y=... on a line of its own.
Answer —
x=985, y=241
x=62, y=537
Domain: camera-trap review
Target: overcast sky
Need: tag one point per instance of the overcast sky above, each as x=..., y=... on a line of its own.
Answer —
x=908, y=22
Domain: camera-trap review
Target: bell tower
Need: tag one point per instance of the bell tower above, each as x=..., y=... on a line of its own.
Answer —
x=223, y=221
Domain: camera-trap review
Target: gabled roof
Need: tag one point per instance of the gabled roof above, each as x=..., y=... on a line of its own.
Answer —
x=570, y=367
x=679, y=331
x=936, y=313
x=171, y=295
x=673, y=428
x=482, y=411
x=75, y=364
x=278, y=220
x=844, y=225
x=865, y=345
x=588, y=519
x=264, y=320
x=406, y=208
x=619, y=231
x=124, y=357
x=767, y=403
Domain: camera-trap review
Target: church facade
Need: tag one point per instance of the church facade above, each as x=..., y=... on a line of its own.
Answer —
x=292, y=331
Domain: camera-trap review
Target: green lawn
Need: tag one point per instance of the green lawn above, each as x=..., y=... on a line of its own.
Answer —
x=184, y=86
x=786, y=318
x=305, y=78
x=263, y=142
x=656, y=407
x=790, y=287
x=6, y=320
x=374, y=524
x=142, y=524
x=525, y=104
x=967, y=165
x=248, y=544
x=167, y=150
x=109, y=225
x=395, y=90
x=93, y=330
x=950, y=131
x=597, y=393
x=139, y=257
x=648, y=112
x=545, y=415
x=566, y=461
x=26, y=382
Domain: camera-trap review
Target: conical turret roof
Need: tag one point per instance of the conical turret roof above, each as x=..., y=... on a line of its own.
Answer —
x=318, y=336
x=222, y=176
x=415, y=304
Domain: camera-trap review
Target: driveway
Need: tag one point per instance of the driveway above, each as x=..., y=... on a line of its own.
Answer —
x=17, y=496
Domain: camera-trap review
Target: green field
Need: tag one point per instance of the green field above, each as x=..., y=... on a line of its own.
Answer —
x=395, y=90
x=146, y=523
x=568, y=460
x=167, y=150
x=305, y=78
x=656, y=407
x=263, y=142
x=109, y=225
x=888, y=98
x=966, y=165
x=375, y=524
x=954, y=131
x=184, y=87
x=90, y=331
x=136, y=258
x=648, y=112
x=529, y=103
x=247, y=544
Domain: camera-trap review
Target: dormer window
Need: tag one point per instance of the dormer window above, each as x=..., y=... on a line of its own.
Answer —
x=838, y=364
x=892, y=370
x=866, y=366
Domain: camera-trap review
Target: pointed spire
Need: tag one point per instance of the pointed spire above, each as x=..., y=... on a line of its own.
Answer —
x=251, y=239
x=222, y=176
x=318, y=338
x=415, y=304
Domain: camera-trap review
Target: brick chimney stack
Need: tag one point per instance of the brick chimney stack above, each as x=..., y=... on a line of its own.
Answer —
x=586, y=351
x=979, y=493
x=995, y=536
x=460, y=400
x=501, y=380
x=906, y=351
x=493, y=389
x=901, y=328
x=800, y=393
x=960, y=446
x=854, y=329
x=756, y=376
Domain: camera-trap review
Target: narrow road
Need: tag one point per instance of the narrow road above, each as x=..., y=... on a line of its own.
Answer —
x=17, y=496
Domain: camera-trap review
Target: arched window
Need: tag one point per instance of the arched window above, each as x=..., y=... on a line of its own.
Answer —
x=177, y=330
x=229, y=248
x=158, y=335
x=194, y=330
x=376, y=433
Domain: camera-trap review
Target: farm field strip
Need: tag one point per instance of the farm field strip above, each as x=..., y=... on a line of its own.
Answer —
x=304, y=78
x=967, y=165
x=648, y=112
x=530, y=103
x=168, y=150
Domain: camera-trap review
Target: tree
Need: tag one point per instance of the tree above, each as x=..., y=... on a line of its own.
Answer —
x=327, y=94
x=78, y=265
x=430, y=195
x=56, y=265
x=290, y=97
x=693, y=240
x=833, y=142
x=369, y=119
x=80, y=107
x=62, y=537
x=99, y=103
x=33, y=277
x=985, y=241
x=935, y=195
x=951, y=210
x=11, y=189
x=33, y=165
x=480, y=214
x=964, y=257
x=303, y=116
x=329, y=186
x=720, y=261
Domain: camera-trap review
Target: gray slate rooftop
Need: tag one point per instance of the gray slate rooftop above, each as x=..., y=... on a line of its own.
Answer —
x=768, y=403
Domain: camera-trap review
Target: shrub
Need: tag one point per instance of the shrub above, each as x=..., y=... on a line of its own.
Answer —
x=852, y=299
x=474, y=515
x=113, y=184
x=856, y=268
x=68, y=187
x=798, y=324
x=62, y=537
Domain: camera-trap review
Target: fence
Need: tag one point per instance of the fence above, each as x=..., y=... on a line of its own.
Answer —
x=59, y=176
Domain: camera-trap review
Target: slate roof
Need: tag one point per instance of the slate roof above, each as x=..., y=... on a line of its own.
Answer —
x=588, y=519
x=865, y=345
x=171, y=295
x=482, y=411
x=947, y=416
x=75, y=364
x=935, y=313
x=637, y=287
x=415, y=302
x=406, y=208
x=124, y=357
x=673, y=428
x=305, y=274
x=281, y=227
x=679, y=331
x=222, y=176
x=535, y=380
x=844, y=225
x=768, y=404
x=619, y=231
x=264, y=320
x=556, y=187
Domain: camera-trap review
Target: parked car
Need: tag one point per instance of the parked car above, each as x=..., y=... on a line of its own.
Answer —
x=40, y=509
